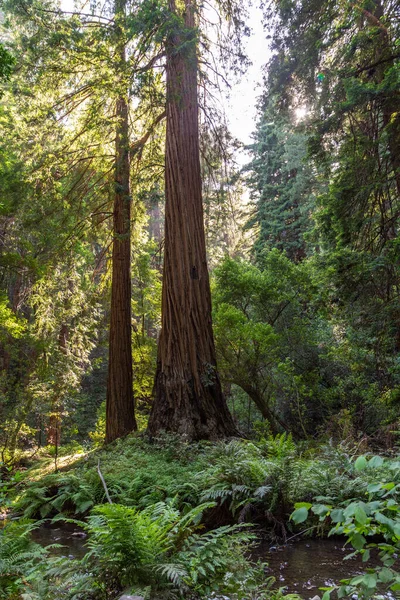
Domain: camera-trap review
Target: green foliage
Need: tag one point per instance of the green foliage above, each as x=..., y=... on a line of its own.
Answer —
x=127, y=542
x=162, y=548
x=6, y=63
x=56, y=493
x=374, y=516
x=19, y=557
x=166, y=491
x=340, y=62
x=137, y=474
x=268, y=335
x=238, y=475
x=283, y=185
x=10, y=324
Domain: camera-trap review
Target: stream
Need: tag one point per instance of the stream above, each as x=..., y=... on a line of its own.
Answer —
x=301, y=567
x=71, y=537
x=306, y=565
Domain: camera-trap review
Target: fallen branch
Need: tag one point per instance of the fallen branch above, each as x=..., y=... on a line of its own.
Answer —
x=103, y=481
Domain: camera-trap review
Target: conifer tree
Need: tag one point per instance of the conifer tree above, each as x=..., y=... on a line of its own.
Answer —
x=87, y=68
x=120, y=417
x=282, y=183
x=188, y=394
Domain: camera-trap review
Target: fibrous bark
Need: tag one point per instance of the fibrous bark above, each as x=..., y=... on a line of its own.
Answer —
x=120, y=416
x=188, y=395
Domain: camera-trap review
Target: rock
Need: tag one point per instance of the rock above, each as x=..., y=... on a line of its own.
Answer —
x=316, y=598
x=127, y=597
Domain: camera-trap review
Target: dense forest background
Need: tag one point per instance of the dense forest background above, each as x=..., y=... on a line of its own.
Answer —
x=305, y=273
x=197, y=354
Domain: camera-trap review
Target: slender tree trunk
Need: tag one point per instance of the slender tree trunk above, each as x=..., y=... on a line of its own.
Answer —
x=188, y=395
x=120, y=415
x=275, y=422
x=54, y=426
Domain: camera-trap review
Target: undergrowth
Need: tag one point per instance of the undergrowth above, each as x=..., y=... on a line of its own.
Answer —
x=253, y=480
x=155, y=551
x=180, y=514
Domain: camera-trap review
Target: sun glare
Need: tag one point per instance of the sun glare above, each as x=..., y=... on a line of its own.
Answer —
x=300, y=113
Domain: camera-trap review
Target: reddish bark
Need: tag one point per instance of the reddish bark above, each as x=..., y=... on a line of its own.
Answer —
x=120, y=415
x=188, y=395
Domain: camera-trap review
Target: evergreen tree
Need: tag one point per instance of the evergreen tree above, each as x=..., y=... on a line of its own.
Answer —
x=120, y=417
x=188, y=394
x=282, y=184
x=91, y=67
x=342, y=61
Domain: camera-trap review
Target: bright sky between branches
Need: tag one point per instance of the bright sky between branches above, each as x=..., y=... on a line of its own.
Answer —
x=240, y=104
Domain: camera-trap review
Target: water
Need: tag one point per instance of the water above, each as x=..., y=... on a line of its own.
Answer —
x=302, y=567
x=71, y=537
x=307, y=565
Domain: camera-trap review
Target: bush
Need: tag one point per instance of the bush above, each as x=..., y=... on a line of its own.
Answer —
x=363, y=522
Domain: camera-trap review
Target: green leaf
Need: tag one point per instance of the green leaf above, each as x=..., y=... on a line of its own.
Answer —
x=357, y=580
x=299, y=515
x=358, y=541
x=374, y=487
x=366, y=556
x=375, y=462
x=361, y=463
x=350, y=510
x=388, y=486
x=385, y=575
x=360, y=515
x=383, y=520
x=370, y=580
x=320, y=509
x=337, y=516
x=343, y=591
x=307, y=505
x=373, y=506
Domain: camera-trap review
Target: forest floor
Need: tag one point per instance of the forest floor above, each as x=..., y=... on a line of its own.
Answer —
x=194, y=510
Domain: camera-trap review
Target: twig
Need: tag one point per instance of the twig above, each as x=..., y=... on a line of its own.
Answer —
x=103, y=481
x=301, y=533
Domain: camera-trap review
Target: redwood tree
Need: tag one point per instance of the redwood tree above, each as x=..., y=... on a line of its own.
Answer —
x=120, y=416
x=188, y=395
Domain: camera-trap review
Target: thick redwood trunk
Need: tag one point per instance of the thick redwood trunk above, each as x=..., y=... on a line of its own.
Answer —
x=188, y=395
x=120, y=416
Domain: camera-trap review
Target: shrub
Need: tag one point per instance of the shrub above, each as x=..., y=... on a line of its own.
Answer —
x=363, y=522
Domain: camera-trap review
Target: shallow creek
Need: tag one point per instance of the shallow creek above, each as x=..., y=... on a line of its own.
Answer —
x=302, y=567
x=307, y=565
x=68, y=535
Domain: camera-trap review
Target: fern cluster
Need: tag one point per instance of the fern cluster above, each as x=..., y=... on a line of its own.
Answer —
x=167, y=549
x=19, y=557
x=153, y=536
x=264, y=477
x=60, y=492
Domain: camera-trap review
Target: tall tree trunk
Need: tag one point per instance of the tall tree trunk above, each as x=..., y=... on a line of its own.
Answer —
x=188, y=395
x=120, y=415
x=54, y=426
